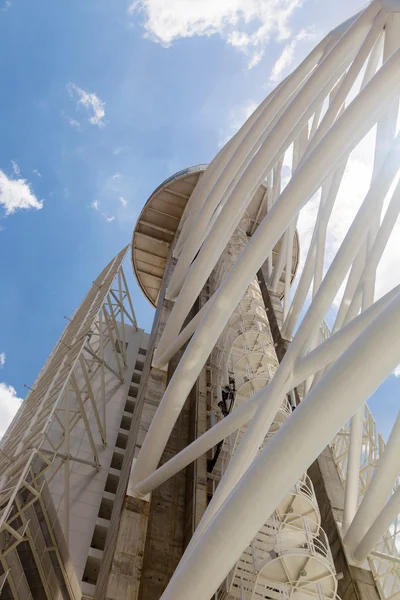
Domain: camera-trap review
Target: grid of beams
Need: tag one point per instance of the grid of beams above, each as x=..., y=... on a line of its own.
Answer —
x=37, y=442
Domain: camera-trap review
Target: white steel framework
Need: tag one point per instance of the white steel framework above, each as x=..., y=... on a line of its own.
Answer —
x=37, y=443
x=348, y=86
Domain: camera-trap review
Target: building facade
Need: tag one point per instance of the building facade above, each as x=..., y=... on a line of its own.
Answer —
x=229, y=453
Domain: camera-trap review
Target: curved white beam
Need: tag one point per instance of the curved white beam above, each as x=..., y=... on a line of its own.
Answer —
x=378, y=491
x=327, y=352
x=378, y=528
x=282, y=135
x=269, y=478
x=356, y=120
x=247, y=140
x=282, y=381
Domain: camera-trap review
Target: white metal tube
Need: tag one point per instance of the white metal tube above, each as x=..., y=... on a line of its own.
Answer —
x=328, y=196
x=326, y=352
x=348, y=80
x=378, y=490
x=333, y=347
x=280, y=263
x=215, y=168
x=248, y=139
x=288, y=269
x=183, y=337
x=384, y=135
x=379, y=527
x=353, y=468
x=281, y=382
x=241, y=415
x=300, y=295
x=381, y=240
x=205, y=183
x=351, y=285
x=280, y=138
x=273, y=472
x=352, y=125
x=293, y=80
x=241, y=196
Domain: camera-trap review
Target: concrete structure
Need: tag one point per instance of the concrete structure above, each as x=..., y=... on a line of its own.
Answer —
x=230, y=454
x=68, y=441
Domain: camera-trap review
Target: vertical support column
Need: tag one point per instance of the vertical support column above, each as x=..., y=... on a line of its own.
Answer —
x=146, y=537
x=122, y=563
x=354, y=583
x=196, y=480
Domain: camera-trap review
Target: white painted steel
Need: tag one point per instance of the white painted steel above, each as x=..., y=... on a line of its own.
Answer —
x=312, y=362
x=279, y=139
x=380, y=525
x=378, y=490
x=245, y=356
x=321, y=113
x=344, y=387
x=39, y=438
x=244, y=142
x=356, y=120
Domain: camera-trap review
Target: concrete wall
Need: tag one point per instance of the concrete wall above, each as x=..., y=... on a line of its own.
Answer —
x=122, y=563
x=148, y=538
x=355, y=583
x=87, y=485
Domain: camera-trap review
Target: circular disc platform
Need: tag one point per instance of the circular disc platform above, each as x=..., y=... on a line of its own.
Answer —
x=158, y=222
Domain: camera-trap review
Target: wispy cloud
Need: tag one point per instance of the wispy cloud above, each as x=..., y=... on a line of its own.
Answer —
x=6, y=6
x=90, y=101
x=107, y=218
x=116, y=176
x=74, y=123
x=247, y=25
x=96, y=206
x=9, y=404
x=36, y=172
x=288, y=56
x=16, y=194
x=123, y=201
x=2, y=359
x=16, y=169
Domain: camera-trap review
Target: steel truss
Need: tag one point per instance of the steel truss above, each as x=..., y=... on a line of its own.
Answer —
x=384, y=560
x=347, y=85
x=37, y=444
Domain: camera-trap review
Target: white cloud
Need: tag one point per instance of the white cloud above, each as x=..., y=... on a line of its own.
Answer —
x=107, y=218
x=6, y=6
x=123, y=201
x=95, y=205
x=9, y=404
x=16, y=169
x=247, y=25
x=2, y=359
x=117, y=151
x=288, y=56
x=90, y=101
x=116, y=176
x=74, y=123
x=396, y=372
x=37, y=172
x=16, y=194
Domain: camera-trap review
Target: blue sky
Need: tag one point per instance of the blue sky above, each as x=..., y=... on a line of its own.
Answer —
x=101, y=101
